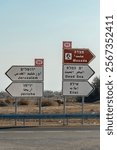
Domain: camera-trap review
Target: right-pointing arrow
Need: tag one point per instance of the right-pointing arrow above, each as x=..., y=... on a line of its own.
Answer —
x=82, y=72
x=78, y=55
x=74, y=88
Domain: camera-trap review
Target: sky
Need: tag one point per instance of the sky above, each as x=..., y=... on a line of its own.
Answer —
x=32, y=29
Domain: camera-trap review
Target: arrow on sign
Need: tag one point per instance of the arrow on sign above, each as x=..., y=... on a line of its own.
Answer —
x=72, y=88
x=73, y=71
x=25, y=73
x=79, y=55
x=25, y=89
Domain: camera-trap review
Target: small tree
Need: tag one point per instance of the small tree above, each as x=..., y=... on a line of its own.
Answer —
x=48, y=93
x=95, y=95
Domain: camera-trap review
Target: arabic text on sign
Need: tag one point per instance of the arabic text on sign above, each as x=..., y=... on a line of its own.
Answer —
x=28, y=74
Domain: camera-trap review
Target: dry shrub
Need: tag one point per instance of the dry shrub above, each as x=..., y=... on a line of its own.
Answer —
x=2, y=103
x=23, y=102
x=9, y=101
x=48, y=103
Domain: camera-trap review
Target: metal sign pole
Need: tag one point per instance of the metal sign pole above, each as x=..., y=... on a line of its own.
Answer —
x=64, y=110
x=24, y=121
x=40, y=111
x=82, y=110
x=15, y=111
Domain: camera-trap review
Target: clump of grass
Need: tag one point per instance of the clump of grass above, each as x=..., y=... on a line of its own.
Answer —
x=9, y=101
x=45, y=103
x=23, y=102
x=2, y=103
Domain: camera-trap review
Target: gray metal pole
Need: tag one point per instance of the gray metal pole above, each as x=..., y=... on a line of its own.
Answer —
x=64, y=110
x=40, y=111
x=82, y=110
x=15, y=111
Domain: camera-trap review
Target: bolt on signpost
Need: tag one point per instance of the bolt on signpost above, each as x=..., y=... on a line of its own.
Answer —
x=27, y=82
x=76, y=72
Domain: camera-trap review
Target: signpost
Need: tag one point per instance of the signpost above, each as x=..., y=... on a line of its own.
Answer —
x=25, y=73
x=31, y=90
x=76, y=68
x=27, y=81
x=78, y=55
x=77, y=88
x=77, y=72
x=39, y=63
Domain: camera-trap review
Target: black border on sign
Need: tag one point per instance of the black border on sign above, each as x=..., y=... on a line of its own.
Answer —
x=93, y=88
x=79, y=49
x=25, y=80
x=77, y=65
x=26, y=96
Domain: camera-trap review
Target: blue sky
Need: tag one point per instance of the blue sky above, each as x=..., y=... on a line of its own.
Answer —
x=32, y=29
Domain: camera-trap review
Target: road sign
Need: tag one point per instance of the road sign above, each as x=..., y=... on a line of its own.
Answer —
x=78, y=55
x=39, y=62
x=74, y=88
x=25, y=73
x=73, y=71
x=25, y=89
x=67, y=44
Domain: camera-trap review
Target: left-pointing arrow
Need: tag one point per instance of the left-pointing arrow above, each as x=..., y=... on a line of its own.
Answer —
x=25, y=73
x=25, y=89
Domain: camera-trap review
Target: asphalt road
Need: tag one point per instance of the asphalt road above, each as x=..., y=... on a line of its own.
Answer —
x=50, y=139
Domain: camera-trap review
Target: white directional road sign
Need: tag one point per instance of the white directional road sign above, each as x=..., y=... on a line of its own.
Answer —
x=25, y=73
x=25, y=89
x=81, y=88
x=82, y=72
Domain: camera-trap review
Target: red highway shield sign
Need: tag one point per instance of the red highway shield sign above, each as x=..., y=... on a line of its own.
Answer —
x=39, y=62
x=77, y=55
x=67, y=44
